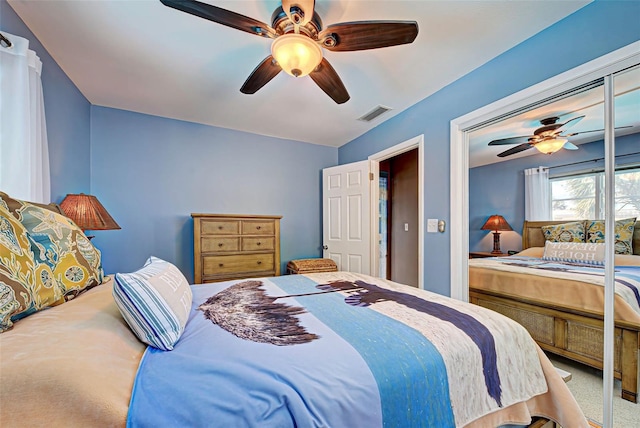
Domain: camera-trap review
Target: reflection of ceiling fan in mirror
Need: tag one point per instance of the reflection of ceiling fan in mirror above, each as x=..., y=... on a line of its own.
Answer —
x=298, y=37
x=549, y=138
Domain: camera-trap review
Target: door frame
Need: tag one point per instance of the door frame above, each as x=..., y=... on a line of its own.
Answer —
x=374, y=160
x=459, y=146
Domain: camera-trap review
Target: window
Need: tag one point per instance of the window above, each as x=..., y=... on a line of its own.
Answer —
x=582, y=196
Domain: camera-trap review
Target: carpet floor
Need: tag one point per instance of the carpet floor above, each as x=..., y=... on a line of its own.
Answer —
x=586, y=386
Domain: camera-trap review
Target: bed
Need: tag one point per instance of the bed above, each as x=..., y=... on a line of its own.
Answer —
x=563, y=311
x=76, y=364
x=334, y=349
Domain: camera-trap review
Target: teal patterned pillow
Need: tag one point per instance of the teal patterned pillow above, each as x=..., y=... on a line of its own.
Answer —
x=59, y=243
x=26, y=286
x=564, y=232
x=623, y=231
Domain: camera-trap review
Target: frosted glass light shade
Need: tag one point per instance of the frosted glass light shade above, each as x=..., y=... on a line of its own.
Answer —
x=298, y=55
x=550, y=146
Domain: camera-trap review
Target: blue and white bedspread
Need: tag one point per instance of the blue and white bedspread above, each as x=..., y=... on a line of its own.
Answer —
x=334, y=350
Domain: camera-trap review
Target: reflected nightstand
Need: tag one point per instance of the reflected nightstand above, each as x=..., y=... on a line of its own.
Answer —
x=481, y=254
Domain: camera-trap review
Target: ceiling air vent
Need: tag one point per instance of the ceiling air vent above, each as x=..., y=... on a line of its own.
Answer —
x=368, y=117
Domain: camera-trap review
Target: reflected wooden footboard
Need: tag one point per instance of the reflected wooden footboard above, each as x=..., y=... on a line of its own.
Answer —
x=573, y=334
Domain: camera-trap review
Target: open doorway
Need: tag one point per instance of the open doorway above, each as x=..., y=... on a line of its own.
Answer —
x=398, y=218
x=416, y=228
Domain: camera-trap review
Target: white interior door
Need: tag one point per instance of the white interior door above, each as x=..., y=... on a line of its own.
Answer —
x=346, y=216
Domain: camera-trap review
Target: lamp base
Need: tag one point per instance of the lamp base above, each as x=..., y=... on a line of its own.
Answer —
x=496, y=243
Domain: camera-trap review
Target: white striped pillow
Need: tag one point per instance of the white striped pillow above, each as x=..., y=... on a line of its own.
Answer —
x=155, y=301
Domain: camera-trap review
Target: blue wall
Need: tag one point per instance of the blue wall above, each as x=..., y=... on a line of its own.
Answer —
x=151, y=173
x=67, y=114
x=499, y=188
x=596, y=29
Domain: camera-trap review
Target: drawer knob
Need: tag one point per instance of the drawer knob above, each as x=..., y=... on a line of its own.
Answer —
x=258, y=244
x=221, y=264
x=259, y=262
x=220, y=244
x=258, y=227
x=219, y=227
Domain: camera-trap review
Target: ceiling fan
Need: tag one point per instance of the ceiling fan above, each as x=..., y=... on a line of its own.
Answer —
x=549, y=138
x=298, y=39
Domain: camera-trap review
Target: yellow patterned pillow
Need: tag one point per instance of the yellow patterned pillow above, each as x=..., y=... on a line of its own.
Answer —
x=564, y=232
x=25, y=286
x=623, y=231
x=59, y=243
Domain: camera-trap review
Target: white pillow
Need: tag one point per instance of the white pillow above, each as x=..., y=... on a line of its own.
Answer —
x=155, y=301
x=575, y=252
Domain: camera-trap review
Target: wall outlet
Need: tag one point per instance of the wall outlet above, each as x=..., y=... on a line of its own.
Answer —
x=432, y=225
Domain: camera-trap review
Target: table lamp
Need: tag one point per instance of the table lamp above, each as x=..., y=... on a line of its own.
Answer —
x=496, y=223
x=87, y=212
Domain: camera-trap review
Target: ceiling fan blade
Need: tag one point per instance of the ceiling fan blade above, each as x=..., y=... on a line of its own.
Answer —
x=299, y=11
x=326, y=77
x=569, y=146
x=516, y=149
x=593, y=130
x=357, y=36
x=569, y=123
x=222, y=16
x=263, y=73
x=511, y=140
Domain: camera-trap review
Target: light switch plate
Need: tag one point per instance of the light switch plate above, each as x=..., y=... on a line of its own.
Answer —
x=432, y=225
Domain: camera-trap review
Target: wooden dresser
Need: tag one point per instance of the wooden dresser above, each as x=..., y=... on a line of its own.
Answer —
x=229, y=246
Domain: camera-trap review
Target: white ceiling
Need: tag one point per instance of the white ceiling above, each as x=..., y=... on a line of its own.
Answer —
x=145, y=57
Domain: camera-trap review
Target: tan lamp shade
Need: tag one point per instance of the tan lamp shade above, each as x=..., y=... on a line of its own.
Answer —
x=497, y=223
x=87, y=212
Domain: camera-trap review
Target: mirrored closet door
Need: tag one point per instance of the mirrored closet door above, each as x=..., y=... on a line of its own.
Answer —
x=588, y=177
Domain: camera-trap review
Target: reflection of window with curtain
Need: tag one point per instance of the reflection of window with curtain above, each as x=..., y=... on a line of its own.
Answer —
x=24, y=156
x=537, y=202
x=582, y=195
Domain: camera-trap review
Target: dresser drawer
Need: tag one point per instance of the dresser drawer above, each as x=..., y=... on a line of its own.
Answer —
x=219, y=227
x=219, y=244
x=214, y=265
x=258, y=227
x=258, y=244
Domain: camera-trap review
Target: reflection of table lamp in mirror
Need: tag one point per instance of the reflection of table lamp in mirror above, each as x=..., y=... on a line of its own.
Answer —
x=87, y=212
x=497, y=223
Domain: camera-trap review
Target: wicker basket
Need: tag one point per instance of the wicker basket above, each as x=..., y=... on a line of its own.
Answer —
x=311, y=266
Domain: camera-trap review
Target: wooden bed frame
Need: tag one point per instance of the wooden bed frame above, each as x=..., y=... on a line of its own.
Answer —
x=577, y=335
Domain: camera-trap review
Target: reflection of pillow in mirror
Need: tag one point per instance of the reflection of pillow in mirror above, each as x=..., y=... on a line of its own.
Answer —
x=623, y=230
x=564, y=232
x=574, y=252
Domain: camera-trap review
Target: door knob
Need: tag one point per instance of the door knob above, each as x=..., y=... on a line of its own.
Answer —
x=324, y=247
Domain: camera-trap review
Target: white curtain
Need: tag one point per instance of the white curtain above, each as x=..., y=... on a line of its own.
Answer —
x=537, y=194
x=24, y=153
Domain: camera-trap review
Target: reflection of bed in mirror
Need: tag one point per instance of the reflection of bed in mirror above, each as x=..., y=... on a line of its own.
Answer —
x=563, y=308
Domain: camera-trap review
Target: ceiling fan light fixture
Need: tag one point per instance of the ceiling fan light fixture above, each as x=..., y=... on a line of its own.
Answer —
x=298, y=55
x=551, y=145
